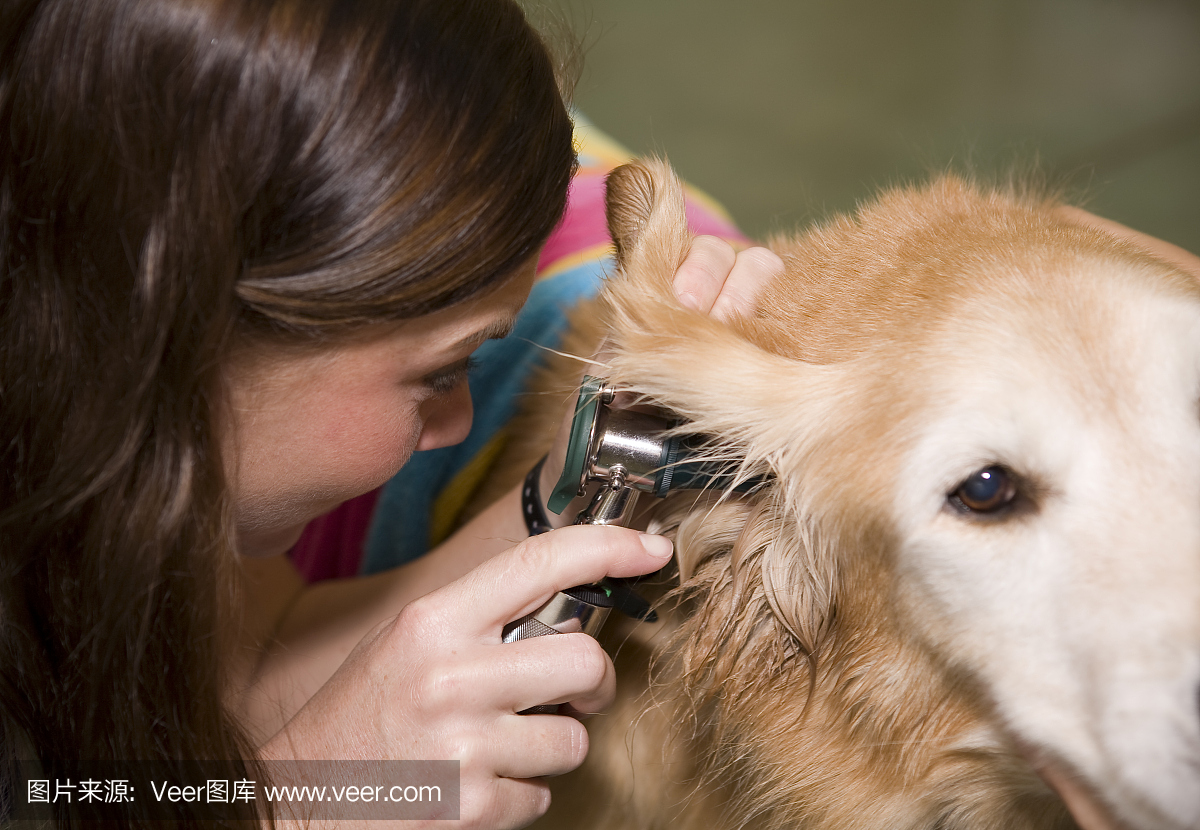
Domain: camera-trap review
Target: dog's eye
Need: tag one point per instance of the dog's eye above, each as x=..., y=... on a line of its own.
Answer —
x=985, y=491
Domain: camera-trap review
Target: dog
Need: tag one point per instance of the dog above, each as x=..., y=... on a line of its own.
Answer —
x=973, y=567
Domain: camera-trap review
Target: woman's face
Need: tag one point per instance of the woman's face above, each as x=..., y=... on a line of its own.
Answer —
x=311, y=430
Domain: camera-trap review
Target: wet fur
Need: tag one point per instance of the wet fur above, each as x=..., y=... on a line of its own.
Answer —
x=802, y=676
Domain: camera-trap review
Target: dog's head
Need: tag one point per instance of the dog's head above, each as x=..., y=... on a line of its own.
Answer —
x=982, y=420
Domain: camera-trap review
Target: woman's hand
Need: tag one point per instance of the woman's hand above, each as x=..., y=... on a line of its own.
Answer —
x=437, y=683
x=716, y=279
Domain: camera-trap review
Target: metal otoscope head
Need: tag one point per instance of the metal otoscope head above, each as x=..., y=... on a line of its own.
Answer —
x=626, y=450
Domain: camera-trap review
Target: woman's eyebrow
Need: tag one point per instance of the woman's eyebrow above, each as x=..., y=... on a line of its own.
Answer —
x=496, y=330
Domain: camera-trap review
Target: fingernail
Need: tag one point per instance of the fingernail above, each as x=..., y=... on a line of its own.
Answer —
x=690, y=301
x=657, y=546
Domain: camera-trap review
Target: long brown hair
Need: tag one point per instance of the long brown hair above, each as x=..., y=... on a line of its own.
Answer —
x=177, y=176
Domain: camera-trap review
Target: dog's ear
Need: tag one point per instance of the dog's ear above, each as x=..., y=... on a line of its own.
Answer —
x=628, y=202
x=704, y=369
x=645, y=208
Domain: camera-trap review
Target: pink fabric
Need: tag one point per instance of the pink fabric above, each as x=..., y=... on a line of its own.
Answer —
x=584, y=224
x=332, y=545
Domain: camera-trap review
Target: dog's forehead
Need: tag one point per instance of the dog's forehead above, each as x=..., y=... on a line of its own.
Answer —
x=951, y=312
x=1102, y=327
x=888, y=279
x=1102, y=348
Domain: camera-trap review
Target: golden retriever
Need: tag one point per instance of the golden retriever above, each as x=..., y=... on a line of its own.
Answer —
x=978, y=551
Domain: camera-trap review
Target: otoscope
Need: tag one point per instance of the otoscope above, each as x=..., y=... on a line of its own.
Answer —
x=627, y=452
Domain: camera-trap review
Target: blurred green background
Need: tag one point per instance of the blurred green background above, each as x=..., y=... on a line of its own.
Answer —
x=786, y=110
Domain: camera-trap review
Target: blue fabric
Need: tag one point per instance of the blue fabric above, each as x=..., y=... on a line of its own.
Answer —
x=400, y=527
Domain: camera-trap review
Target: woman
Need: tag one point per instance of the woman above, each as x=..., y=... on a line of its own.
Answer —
x=246, y=249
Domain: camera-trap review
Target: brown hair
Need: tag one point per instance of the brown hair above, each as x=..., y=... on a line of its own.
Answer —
x=177, y=176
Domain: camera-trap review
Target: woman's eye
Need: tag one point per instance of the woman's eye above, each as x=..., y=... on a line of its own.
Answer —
x=444, y=381
x=985, y=491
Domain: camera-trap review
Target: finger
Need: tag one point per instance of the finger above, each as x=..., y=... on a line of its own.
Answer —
x=503, y=803
x=534, y=570
x=512, y=677
x=532, y=746
x=753, y=270
x=561, y=668
x=700, y=278
x=503, y=678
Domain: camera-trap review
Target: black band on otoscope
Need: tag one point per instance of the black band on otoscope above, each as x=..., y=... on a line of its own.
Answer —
x=532, y=509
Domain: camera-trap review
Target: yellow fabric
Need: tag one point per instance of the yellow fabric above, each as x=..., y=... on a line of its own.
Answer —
x=453, y=499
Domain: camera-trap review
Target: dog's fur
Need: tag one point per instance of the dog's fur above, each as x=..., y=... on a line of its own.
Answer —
x=849, y=647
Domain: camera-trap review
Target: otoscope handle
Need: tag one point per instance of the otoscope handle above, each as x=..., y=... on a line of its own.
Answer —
x=582, y=608
x=630, y=437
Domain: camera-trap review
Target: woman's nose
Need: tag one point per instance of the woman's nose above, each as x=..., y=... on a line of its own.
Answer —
x=446, y=418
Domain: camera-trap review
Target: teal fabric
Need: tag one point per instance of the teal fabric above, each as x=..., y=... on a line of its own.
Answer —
x=400, y=527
